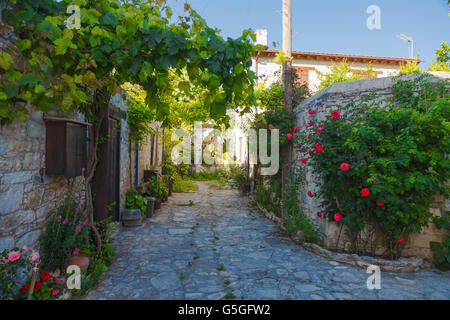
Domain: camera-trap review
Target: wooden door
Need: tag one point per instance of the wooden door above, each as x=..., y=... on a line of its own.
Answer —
x=106, y=184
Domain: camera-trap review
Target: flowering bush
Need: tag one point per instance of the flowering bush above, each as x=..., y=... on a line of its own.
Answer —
x=14, y=265
x=381, y=165
x=45, y=288
x=67, y=230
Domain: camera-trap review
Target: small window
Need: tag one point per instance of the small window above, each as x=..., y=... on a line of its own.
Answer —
x=65, y=147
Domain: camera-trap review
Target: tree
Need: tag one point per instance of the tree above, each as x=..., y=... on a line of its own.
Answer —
x=342, y=72
x=442, y=58
x=118, y=41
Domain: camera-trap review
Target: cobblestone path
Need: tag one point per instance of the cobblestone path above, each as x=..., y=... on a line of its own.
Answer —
x=217, y=247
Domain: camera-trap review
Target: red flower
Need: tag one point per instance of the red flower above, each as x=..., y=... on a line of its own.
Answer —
x=335, y=114
x=337, y=216
x=400, y=240
x=380, y=204
x=296, y=128
x=310, y=193
x=319, y=148
x=311, y=123
x=289, y=136
x=311, y=112
x=319, y=214
x=45, y=276
x=365, y=192
x=24, y=288
x=344, y=166
x=309, y=137
x=37, y=285
x=303, y=160
x=311, y=153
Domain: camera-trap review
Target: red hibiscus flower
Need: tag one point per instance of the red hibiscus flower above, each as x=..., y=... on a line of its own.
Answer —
x=365, y=192
x=303, y=160
x=319, y=148
x=319, y=214
x=311, y=112
x=310, y=193
x=37, y=285
x=400, y=240
x=24, y=288
x=289, y=136
x=296, y=128
x=344, y=166
x=335, y=114
x=380, y=204
x=337, y=216
x=45, y=276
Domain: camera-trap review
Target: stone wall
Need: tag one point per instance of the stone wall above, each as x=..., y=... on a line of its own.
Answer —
x=26, y=194
x=340, y=94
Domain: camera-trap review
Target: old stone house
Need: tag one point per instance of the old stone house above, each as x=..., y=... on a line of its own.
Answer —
x=41, y=158
x=306, y=64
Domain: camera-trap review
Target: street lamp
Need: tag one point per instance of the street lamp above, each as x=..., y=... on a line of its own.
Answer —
x=411, y=44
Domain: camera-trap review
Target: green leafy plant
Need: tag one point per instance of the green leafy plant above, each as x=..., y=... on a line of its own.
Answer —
x=155, y=188
x=441, y=251
x=134, y=200
x=381, y=163
x=342, y=72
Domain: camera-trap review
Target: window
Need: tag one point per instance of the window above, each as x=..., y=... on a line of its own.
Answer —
x=65, y=147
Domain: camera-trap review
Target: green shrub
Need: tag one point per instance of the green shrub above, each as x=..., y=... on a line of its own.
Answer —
x=134, y=200
x=182, y=185
x=441, y=251
x=397, y=151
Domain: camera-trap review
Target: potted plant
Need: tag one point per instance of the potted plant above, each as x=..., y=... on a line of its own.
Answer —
x=243, y=180
x=135, y=208
x=157, y=190
x=169, y=176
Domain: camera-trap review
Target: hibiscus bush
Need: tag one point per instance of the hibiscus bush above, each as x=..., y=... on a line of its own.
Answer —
x=382, y=163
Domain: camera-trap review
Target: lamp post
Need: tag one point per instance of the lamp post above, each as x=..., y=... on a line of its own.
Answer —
x=411, y=44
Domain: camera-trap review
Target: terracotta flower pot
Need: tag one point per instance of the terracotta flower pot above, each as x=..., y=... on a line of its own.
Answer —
x=80, y=261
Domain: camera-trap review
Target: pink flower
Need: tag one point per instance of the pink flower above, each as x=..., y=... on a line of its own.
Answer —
x=76, y=251
x=309, y=137
x=311, y=112
x=65, y=221
x=400, y=240
x=337, y=217
x=25, y=248
x=380, y=204
x=34, y=257
x=78, y=228
x=296, y=128
x=319, y=129
x=83, y=170
x=84, y=213
x=311, y=153
x=58, y=218
x=320, y=104
x=35, y=269
x=86, y=222
x=311, y=123
x=289, y=136
x=55, y=292
x=13, y=255
x=310, y=194
x=344, y=166
x=303, y=160
x=319, y=214
x=76, y=209
x=335, y=114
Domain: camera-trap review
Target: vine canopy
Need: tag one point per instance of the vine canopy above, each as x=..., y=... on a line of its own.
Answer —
x=117, y=42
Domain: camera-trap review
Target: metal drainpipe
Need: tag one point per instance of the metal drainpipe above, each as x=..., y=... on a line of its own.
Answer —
x=137, y=165
x=163, y=147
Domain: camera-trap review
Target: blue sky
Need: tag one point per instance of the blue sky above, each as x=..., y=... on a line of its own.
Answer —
x=335, y=26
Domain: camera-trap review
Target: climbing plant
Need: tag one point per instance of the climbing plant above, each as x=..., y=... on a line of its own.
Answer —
x=117, y=42
x=381, y=163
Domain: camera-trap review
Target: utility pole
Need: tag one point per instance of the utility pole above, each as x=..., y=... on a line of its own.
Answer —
x=287, y=86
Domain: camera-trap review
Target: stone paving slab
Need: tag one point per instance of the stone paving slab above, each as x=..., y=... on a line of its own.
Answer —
x=218, y=246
